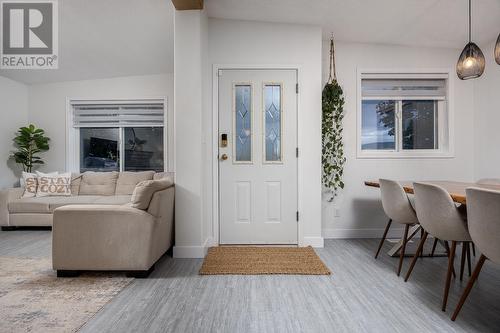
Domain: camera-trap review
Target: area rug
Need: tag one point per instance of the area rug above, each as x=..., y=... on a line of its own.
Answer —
x=33, y=299
x=262, y=260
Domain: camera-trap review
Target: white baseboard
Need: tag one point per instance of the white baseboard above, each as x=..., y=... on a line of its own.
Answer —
x=186, y=252
x=313, y=241
x=193, y=251
x=361, y=233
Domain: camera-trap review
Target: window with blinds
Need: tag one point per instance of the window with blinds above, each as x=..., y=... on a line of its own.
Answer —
x=119, y=135
x=403, y=89
x=403, y=115
x=103, y=115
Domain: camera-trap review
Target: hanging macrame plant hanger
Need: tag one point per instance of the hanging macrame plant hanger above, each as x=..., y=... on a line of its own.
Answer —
x=331, y=77
x=333, y=158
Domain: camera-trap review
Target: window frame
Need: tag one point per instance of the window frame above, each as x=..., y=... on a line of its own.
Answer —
x=445, y=115
x=73, y=133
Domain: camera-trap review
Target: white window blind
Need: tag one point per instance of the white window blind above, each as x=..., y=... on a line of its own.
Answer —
x=107, y=114
x=373, y=88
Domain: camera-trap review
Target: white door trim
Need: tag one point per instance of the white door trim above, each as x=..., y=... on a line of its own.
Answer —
x=215, y=232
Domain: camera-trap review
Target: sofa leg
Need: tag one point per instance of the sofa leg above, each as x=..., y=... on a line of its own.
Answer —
x=8, y=228
x=140, y=274
x=66, y=273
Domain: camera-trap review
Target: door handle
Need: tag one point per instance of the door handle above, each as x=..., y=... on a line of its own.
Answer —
x=223, y=157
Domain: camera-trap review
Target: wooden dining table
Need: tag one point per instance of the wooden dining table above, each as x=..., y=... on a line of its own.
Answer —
x=455, y=189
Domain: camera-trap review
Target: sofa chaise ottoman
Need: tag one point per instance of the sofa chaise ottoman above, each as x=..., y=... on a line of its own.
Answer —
x=129, y=237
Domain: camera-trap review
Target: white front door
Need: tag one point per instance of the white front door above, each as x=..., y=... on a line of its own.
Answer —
x=258, y=156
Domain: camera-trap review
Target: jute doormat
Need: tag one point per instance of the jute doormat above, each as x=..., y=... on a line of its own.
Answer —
x=262, y=260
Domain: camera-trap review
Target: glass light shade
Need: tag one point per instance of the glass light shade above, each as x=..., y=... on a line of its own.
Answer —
x=497, y=50
x=471, y=63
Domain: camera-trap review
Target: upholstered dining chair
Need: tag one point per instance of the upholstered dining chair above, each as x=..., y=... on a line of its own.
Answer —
x=399, y=209
x=440, y=218
x=486, y=181
x=483, y=209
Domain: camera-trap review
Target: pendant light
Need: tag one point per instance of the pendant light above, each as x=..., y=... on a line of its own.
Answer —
x=497, y=50
x=471, y=63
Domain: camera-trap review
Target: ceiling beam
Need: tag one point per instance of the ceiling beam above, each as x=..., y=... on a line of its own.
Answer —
x=188, y=4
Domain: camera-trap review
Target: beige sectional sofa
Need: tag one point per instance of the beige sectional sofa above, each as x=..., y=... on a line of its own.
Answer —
x=89, y=188
x=98, y=228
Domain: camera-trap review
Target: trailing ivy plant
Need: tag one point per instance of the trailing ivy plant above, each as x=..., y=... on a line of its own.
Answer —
x=29, y=142
x=333, y=159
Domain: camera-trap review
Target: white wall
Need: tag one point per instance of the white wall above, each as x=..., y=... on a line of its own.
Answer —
x=234, y=42
x=47, y=107
x=487, y=119
x=359, y=207
x=14, y=114
x=188, y=69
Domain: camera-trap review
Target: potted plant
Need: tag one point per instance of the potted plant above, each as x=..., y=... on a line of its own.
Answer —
x=29, y=142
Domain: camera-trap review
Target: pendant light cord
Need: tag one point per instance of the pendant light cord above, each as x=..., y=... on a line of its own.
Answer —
x=332, y=62
x=470, y=22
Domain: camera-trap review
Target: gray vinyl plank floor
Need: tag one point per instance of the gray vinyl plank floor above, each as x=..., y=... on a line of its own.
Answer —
x=361, y=295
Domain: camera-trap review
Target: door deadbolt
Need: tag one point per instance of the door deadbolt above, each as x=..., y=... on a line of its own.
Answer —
x=223, y=140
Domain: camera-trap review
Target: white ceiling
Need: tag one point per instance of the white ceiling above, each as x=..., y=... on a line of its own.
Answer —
x=109, y=38
x=436, y=23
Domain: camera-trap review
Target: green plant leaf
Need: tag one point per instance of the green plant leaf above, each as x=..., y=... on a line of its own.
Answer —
x=333, y=159
x=29, y=141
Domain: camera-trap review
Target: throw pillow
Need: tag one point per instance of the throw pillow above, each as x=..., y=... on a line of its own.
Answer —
x=58, y=185
x=49, y=174
x=143, y=192
x=29, y=182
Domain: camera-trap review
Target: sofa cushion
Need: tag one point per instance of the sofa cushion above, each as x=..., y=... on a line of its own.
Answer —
x=128, y=180
x=98, y=183
x=29, y=205
x=76, y=179
x=161, y=175
x=29, y=183
x=113, y=200
x=144, y=191
x=48, y=204
x=59, y=185
x=56, y=202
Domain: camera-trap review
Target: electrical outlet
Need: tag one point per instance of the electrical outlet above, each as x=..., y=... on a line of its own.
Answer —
x=337, y=212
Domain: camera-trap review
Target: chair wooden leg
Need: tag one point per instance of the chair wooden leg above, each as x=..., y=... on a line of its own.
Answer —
x=448, y=274
x=473, y=249
x=462, y=261
x=403, y=248
x=434, y=247
x=447, y=247
x=468, y=257
x=415, y=257
x=383, y=238
x=467, y=289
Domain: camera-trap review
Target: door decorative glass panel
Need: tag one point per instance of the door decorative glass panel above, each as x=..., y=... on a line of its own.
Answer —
x=272, y=116
x=243, y=123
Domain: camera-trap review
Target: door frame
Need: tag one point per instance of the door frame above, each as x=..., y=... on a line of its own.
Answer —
x=215, y=232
